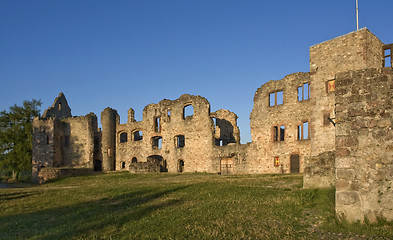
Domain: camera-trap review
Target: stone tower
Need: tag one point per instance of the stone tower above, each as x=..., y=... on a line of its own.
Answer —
x=109, y=119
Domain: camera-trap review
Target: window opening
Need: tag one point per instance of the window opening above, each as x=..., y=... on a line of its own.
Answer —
x=157, y=127
x=123, y=137
x=138, y=136
x=59, y=106
x=331, y=86
x=188, y=111
x=134, y=160
x=181, y=165
x=276, y=161
x=180, y=141
x=276, y=98
x=303, y=92
x=47, y=139
x=123, y=165
x=157, y=142
x=388, y=57
x=303, y=131
x=169, y=114
x=278, y=133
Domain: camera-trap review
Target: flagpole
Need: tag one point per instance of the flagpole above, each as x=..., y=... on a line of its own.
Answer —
x=357, y=15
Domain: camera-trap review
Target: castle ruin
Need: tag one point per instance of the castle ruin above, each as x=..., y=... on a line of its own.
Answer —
x=334, y=124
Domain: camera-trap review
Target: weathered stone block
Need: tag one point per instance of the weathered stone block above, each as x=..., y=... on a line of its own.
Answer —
x=347, y=198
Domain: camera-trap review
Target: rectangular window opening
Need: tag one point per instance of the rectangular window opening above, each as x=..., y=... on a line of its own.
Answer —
x=272, y=99
x=282, y=133
x=157, y=142
x=388, y=58
x=157, y=126
x=303, y=92
x=276, y=98
x=303, y=131
x=180, y=141
x=278, y=133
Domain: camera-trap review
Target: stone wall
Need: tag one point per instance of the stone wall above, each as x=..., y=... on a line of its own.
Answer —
x=60, y=140
x=59, y=109
x=319, y=171
x=274, y=122
x=145, y=167
x=78, y=149
x=364, y=144
x=172, y=136
x=46, y=174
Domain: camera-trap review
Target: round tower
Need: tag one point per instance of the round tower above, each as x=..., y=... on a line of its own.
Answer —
x=108, y=121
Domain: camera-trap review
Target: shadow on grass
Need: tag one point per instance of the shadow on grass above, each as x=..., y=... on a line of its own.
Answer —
x=15, y=195
x=88, y=218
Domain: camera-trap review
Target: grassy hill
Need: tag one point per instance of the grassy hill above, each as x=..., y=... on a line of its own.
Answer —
x=176, y=206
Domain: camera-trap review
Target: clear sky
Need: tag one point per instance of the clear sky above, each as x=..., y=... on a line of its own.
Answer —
x=124, y=54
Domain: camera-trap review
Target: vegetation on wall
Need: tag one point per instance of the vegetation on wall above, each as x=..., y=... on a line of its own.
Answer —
x=16, y=126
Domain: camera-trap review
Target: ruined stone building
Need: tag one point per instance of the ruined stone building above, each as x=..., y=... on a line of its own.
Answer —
x=332, y=123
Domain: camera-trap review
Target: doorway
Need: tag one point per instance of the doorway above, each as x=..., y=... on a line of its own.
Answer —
x=226, y=166
x=294, y=163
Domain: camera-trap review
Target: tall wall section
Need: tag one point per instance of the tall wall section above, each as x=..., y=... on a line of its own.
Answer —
x=353, y=51
x=364, y=144
x=356, y=50
x=277, y=114
x=174, y=132
x=78, y=141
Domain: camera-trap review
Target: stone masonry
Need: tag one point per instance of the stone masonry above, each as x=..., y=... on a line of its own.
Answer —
x=301, y=123
x=364, y=144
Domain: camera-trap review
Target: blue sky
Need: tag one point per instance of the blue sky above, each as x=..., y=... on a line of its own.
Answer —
x=124, y=54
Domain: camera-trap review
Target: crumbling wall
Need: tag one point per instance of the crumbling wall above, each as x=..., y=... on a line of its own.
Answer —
x=60, y=140
x=275, y=119
x=47, y=174
x=225, y=127
x=145, y=167
x=319, y=171
x=364, y=149
x=59, y=109
x=170, y=134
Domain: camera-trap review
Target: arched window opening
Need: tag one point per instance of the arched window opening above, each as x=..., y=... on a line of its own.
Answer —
x=188, y=111
x=180, y=141
x=123, y=137
x=180, y=165
x=134, y=160
x=157, y=142
x=137, y=136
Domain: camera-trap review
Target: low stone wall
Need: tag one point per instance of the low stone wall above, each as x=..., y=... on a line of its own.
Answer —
x=319, y=171
x=46, y=174
x=144, y=167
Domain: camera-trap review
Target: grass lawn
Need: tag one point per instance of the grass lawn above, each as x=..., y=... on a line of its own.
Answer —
x=176, y=206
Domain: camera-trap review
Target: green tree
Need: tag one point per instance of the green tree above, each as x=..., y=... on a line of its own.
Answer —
x=16, y=127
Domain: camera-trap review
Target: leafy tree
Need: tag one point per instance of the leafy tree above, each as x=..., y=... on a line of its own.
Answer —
x=16, y=128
